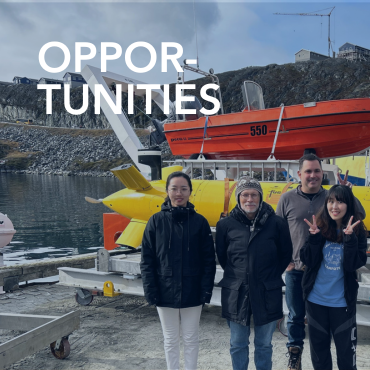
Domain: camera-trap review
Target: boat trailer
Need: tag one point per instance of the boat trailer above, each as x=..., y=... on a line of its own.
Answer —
x=41, y=331
x=120, y=274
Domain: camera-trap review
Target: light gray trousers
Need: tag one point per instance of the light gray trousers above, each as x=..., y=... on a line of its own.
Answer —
x=185, y=321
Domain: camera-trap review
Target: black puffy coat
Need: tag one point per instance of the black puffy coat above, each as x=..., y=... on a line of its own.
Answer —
x=178, y=263
x=253, y=260
x=354, y=257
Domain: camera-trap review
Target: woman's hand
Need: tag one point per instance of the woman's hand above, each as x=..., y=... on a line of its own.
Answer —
x=344, y=182
x=313, y=227
x=349, y=229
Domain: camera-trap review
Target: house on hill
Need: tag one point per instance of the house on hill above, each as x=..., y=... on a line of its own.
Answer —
x=44, y=81
x=353, y=52
x=303, y=55
x=73, y=79
x=24, y=80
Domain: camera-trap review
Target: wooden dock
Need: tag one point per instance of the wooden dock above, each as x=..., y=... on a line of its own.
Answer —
x=11, y=276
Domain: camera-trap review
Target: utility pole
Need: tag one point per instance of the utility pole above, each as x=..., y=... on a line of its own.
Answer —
x=315, y=14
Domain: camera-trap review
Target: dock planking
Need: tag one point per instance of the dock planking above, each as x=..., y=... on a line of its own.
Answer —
x=11, y=276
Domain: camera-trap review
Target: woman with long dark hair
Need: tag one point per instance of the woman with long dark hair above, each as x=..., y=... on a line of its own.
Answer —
x=178, y=268
x=334, y=250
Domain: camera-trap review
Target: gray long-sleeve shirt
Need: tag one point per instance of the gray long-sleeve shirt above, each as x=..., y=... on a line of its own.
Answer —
x=294, y=206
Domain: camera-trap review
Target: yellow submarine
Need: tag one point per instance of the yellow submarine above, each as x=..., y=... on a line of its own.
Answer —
x=141, y=199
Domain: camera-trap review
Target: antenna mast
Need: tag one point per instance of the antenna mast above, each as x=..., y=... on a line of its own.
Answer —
x=196, y=33
x=315, y=14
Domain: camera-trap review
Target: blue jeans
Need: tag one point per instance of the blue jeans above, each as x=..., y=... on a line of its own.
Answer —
x=296, y=306
x=239, y=345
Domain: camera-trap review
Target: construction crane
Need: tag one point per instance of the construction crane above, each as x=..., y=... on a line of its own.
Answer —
x=315, y=14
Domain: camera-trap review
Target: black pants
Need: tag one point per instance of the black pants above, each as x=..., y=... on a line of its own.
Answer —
x=325, y=322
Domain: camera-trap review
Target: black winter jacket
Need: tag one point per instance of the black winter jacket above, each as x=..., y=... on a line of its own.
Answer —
x=253, y=260
x=354, y=257
x=178, y=263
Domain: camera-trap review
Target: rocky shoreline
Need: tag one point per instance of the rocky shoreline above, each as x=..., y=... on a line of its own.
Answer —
x=64, y=152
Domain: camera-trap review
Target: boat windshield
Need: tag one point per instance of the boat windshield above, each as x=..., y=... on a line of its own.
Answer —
x=252, y=96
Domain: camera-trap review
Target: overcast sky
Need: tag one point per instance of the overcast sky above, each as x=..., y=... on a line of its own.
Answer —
x=231, y=35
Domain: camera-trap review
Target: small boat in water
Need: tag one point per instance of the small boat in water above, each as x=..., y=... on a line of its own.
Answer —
x=331, y=128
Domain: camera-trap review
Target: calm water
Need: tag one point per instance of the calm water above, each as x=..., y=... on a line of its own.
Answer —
x=51, y=216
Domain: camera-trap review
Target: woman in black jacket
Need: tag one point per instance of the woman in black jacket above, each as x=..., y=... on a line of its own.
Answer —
x=178, y=268
x=334, y=250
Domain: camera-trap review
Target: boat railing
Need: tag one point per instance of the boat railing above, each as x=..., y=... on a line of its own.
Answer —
x=367, y=168
x=273, y=170
x=210, y=74
x=263, y=170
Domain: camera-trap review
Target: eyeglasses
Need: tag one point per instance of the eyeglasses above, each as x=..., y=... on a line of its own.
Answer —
x=176, y=190
x=246, y=196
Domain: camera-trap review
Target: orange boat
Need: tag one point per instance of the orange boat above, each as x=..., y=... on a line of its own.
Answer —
x=332, y=128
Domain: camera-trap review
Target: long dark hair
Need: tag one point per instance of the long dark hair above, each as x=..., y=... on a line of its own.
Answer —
x=327, y=225
x=177, y=174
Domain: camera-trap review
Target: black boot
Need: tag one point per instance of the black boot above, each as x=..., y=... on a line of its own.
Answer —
x=295, y=358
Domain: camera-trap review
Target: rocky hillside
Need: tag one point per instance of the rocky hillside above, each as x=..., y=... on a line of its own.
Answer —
x=292, y=83
x=75, y=151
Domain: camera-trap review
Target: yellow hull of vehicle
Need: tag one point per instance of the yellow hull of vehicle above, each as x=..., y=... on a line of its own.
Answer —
x=141, y=199
x=356, y=166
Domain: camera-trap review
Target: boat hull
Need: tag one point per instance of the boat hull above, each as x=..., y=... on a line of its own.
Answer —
x=333, y=128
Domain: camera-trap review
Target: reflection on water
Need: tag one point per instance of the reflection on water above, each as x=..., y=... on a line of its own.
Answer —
x=51, y=216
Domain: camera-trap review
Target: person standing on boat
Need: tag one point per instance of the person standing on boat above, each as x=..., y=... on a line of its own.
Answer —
x=178, y=267
x=254, y=248
x=295, y=206
x=335, y=249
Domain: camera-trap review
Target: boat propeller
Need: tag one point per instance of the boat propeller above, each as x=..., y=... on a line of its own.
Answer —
x=92, y=200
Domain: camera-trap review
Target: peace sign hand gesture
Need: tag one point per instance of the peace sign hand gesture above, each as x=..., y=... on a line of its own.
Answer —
x=349, y=229
x=313, y=227
x=345, y=180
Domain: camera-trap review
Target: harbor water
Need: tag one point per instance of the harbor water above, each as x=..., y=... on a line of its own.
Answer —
x=50, y=215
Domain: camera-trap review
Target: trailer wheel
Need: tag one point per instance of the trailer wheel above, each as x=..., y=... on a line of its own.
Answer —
x=63, y=350
x=84, y=297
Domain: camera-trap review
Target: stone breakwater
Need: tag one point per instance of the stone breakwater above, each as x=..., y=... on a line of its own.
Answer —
x=65, y=152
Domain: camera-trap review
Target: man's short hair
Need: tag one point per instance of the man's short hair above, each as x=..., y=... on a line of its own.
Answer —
x=309, y=157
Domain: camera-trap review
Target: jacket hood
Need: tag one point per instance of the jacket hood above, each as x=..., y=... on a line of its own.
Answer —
x=262, y=215
x=178, y=214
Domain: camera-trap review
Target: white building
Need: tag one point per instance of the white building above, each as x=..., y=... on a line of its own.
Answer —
x=303, y=55
x=44, y=81
x=73, y=79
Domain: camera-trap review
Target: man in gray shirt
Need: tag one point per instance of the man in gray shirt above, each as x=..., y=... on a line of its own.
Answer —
x=296, y=205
